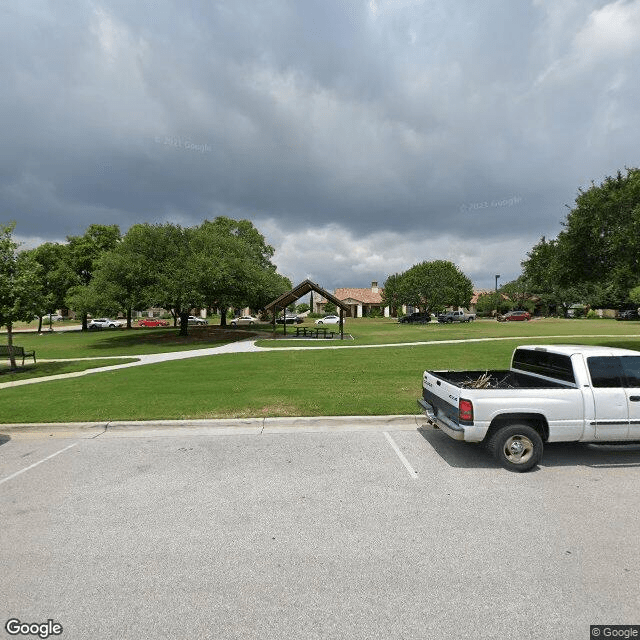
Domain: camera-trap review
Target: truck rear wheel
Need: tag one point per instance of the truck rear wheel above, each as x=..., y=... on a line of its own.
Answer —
x=517, y=447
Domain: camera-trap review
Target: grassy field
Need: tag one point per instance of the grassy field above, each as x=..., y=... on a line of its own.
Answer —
x=371, y=381
x=44, y=369
x=122, y=342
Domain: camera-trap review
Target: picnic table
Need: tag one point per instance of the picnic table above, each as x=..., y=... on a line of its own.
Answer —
x=314, y=332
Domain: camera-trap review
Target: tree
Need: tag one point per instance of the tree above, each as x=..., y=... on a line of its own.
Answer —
x=124, y=276
x=84, y=252
x=393, y=293
x=544, y=272
x=436, y=285
x=600, y=243
x=237, y=267
x=488, y=303
x=517, y=292
x=20, y=288
x=55, y=277
x=634, y=295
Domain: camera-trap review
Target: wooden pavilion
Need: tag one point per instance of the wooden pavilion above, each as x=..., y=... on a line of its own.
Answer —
x=306, y=286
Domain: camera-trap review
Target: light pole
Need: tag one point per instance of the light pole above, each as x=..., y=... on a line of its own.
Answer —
x=497, y=276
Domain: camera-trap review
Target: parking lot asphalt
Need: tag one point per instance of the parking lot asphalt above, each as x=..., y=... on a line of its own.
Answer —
x=342, y=529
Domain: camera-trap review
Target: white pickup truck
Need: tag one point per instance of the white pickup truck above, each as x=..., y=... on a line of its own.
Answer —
x=551, y=393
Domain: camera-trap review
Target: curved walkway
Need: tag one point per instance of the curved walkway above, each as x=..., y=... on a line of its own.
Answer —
x=249, y=346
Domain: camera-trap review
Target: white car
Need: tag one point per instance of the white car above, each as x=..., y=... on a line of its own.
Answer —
x=195, y=320
x=104, y=323
x=328, y=320
x=244, y=320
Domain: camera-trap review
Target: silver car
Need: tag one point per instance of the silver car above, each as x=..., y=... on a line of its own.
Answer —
x=244, y=320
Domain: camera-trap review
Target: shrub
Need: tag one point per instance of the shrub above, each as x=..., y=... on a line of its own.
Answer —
x=592, y=315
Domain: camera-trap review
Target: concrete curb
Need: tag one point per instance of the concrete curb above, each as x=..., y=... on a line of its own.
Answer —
x=225, y=425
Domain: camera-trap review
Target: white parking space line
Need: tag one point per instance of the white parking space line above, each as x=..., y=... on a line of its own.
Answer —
x=35, y=464
x=412, y=472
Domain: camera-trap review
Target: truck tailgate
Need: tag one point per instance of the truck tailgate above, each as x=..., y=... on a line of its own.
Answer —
x=441, y=395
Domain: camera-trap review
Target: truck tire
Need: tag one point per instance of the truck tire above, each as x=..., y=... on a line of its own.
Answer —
x=517, y=447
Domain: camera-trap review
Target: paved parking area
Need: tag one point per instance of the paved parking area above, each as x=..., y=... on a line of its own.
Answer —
x=384, y=532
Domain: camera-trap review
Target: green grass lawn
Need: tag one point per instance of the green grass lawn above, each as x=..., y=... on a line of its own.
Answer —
x=121, y=342
x=44, y=369
x=372, y=381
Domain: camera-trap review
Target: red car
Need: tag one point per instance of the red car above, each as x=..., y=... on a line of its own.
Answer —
x=153, y=322
x=513, y=316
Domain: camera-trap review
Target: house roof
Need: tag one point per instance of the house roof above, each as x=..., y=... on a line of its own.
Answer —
x=367, y=296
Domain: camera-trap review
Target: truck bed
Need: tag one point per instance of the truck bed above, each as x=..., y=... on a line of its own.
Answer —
x=495, y=379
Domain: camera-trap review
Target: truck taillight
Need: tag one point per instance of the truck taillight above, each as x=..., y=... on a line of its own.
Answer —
x=465, y=410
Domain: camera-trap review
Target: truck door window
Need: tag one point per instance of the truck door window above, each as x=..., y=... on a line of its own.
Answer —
x=631, y=369
x=605, y=371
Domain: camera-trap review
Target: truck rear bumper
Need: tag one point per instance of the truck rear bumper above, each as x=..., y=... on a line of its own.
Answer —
x=453, y=430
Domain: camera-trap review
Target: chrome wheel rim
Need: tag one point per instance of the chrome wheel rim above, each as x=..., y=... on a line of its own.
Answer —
x=518, y=449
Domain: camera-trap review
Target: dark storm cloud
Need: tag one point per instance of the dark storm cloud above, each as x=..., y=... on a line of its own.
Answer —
x=450, y=120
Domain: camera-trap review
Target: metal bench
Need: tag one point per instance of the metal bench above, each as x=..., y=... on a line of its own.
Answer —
x=18, y=352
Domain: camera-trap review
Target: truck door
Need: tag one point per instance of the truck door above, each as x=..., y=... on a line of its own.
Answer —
x=610, y=398
x=631, y=370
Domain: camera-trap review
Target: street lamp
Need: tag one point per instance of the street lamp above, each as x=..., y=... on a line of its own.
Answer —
x=497, y=300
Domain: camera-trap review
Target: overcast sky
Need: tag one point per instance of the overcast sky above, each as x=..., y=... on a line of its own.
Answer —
x=360, y=136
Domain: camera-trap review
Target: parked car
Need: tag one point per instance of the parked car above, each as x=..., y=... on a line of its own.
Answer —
x=416, y=316
x=196, y=320
x=514, y=316
x=153, y=322
x=244, y=320
x=104, y=323
x=289, y=318
x=628, y=314
x=328, y=320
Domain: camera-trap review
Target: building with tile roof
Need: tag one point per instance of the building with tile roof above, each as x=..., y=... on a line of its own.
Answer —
x=360, y=301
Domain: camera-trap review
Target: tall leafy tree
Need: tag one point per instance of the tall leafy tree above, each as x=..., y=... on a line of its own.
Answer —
x=124, y=276
x=20, y=288
x=55, y=276
x=600, y=242
x=393, y=293
x=544, y=271
x=84, y=253
x=436, y=285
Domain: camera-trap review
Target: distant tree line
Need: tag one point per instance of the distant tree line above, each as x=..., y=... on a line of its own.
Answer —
x=219, y=264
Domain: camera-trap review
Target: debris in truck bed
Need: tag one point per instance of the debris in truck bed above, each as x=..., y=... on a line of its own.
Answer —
x=485, y=381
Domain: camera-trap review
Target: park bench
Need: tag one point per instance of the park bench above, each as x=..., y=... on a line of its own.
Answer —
x=18, y=352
